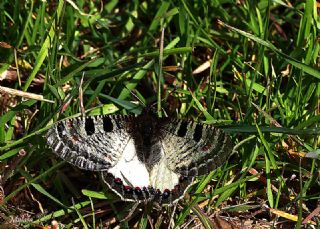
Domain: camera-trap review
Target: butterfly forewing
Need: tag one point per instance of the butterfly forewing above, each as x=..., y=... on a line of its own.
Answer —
x=91, y=143
x=192, y=148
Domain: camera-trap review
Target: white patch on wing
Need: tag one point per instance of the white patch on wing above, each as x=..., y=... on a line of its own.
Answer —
x=161, y=177
x=57, y=147
x=130, y=169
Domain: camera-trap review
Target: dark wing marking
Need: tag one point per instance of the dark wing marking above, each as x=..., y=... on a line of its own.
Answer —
x=192, y=148
x=91, y=143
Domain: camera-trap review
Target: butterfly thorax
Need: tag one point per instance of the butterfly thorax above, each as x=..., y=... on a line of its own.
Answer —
x=146, y=137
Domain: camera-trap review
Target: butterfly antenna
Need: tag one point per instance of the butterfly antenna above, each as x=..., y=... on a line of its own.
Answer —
x=163, y=99
x=137, y=97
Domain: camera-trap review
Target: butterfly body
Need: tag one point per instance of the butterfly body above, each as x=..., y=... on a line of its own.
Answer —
x=141, y=158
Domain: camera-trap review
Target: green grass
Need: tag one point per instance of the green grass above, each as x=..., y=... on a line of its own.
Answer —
x=262, y=81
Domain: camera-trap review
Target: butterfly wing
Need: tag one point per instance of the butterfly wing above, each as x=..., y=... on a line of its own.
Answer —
x=141, y=158
x=135, y=181
x=171, y=183
x=192, y=148
x=92, y=143
x=183, y=149
x=142, y=173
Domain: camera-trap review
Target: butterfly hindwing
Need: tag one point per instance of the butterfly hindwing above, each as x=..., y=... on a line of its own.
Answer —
x=142, y=172
x=91, y=143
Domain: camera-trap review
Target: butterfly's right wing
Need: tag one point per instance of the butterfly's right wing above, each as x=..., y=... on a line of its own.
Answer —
x=192, y=148
x=92, y=143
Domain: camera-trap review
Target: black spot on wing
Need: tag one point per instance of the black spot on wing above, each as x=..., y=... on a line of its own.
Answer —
x=89, y=126
x=107, y=124
x=197, y=134
x=183, y=128
x=60, y=129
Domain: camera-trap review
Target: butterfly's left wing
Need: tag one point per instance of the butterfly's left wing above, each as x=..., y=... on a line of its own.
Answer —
x=192, y=148
x=91, y=143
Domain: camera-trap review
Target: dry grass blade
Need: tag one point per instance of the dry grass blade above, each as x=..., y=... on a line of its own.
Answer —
x=24, y=94
x=315, y=212
x=288, y=215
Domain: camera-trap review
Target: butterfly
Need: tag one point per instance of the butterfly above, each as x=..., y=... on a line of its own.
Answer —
x=141, y=158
